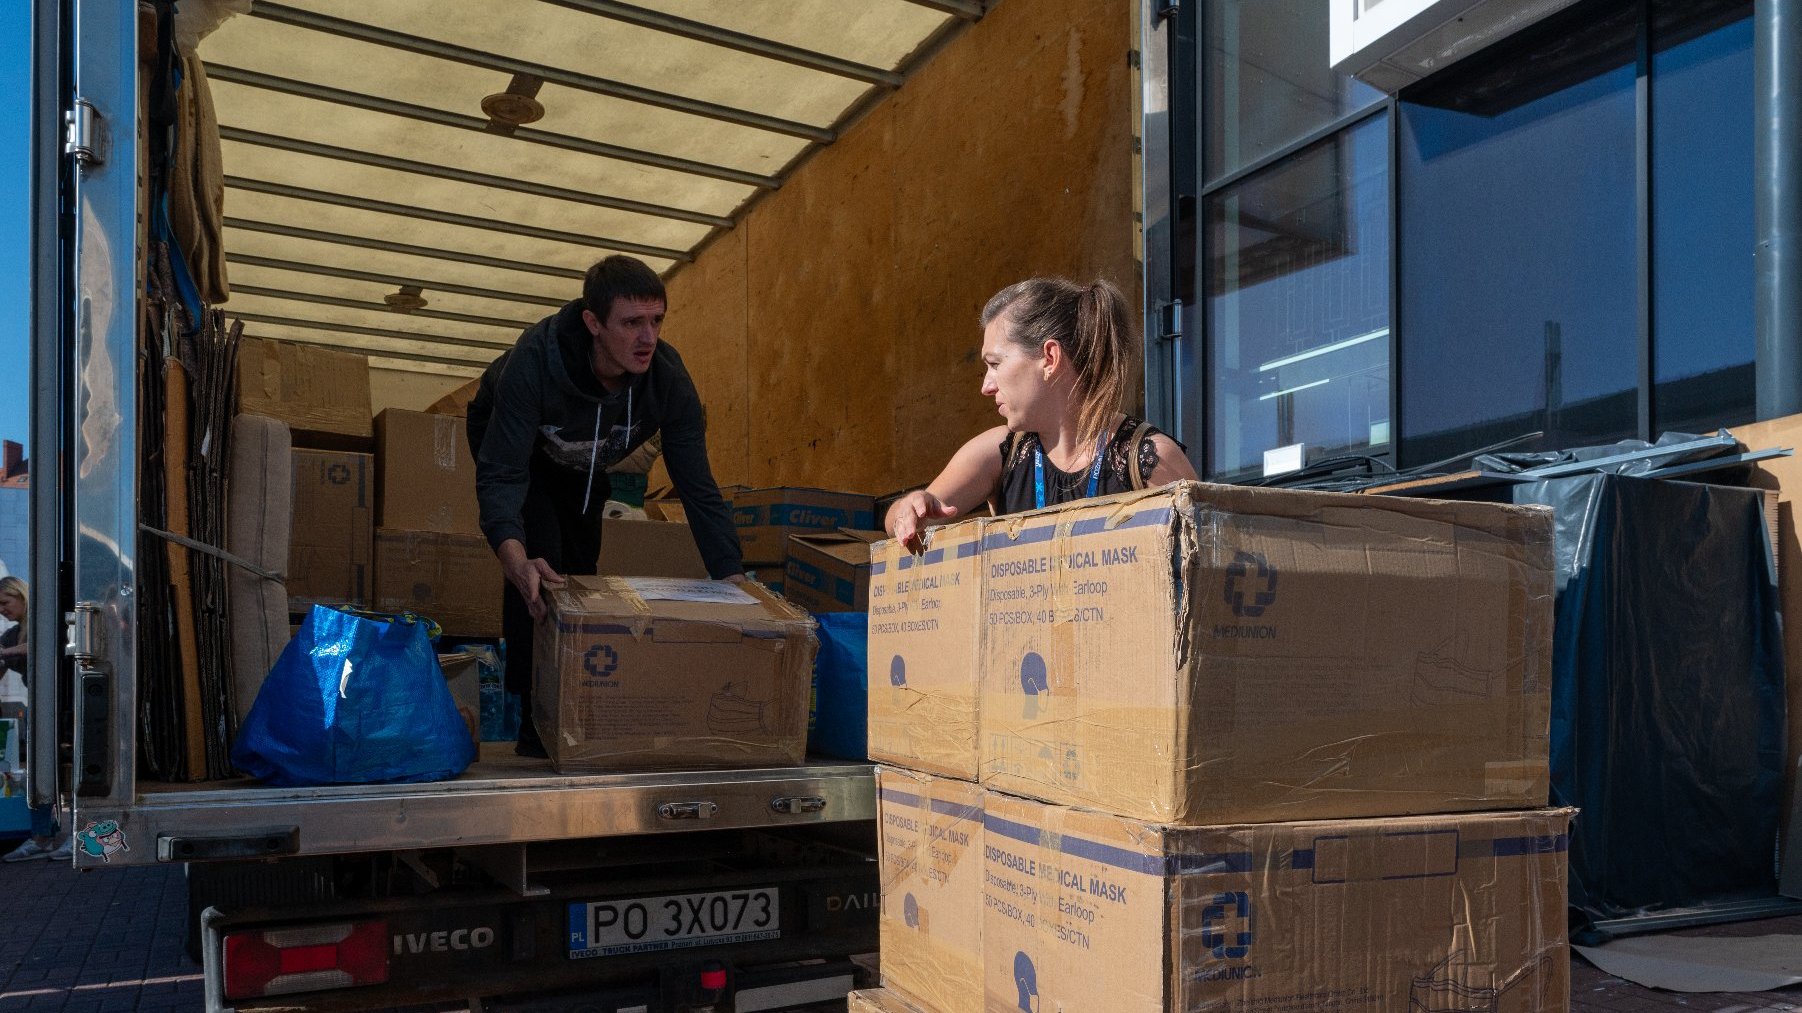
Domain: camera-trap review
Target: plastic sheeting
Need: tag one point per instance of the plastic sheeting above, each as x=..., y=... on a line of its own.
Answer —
x=1668, y=694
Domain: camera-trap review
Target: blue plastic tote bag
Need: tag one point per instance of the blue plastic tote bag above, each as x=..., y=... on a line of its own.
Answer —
x=354, y=699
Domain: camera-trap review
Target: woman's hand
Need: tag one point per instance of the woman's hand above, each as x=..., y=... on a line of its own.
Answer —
x=912, y=514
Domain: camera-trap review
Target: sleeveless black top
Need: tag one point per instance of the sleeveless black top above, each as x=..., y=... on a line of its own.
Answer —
x=1017, y=491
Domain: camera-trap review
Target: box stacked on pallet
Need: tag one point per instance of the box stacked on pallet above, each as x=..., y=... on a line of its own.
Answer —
x=1233, y=748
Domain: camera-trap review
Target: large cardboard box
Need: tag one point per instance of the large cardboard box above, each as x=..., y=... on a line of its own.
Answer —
x=646, y=673
x=634, y=548
x=333, y=524
x=1086, y=911
x=322, y=394
x=1218, y=654
x=931, y=888
x=766, y=517
x=830, y=571
x=426, y=478
x=452, y=579
x=925, y=651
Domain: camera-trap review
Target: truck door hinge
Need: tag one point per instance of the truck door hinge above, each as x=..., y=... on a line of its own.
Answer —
x=1170, y=320
x=84, y=135
x=1168, y=9
x=83, y=632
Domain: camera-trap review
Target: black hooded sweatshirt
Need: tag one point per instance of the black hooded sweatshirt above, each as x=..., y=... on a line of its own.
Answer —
x=541, y=400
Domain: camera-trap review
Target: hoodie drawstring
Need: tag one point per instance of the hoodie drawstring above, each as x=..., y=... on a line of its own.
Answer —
x=594, y=446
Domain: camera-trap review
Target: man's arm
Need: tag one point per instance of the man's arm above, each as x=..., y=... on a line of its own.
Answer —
x=685, y=455
x=503, y=455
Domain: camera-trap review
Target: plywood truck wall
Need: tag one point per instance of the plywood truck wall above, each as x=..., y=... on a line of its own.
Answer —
x=833, y=333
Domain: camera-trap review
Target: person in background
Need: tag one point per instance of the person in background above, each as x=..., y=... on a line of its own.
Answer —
x=1061, y=363
x=15, y=605
x=579, y=392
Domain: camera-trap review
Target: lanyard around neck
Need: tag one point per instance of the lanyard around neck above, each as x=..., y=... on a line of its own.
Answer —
x=1038, y=471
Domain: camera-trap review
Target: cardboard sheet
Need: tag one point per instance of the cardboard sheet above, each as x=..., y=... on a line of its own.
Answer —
x=1702, y=963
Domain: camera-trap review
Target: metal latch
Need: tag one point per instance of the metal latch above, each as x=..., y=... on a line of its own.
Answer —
x=84, y=134
x=1170, y=320
x=1168, y=8
x=688, y=810
x=798, y=805
x=83, y=631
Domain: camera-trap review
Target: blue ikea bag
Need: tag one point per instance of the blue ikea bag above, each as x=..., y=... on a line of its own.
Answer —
x=838, y=724
x=354, y=699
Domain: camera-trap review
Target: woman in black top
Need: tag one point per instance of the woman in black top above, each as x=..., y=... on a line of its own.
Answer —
x=1060, y=362
x=15, y=605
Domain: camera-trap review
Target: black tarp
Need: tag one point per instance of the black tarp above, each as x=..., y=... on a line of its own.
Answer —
x=1668, y=698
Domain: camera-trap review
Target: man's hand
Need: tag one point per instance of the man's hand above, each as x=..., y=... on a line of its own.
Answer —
x=527, y=575
x=737, y=578
x=909, y=517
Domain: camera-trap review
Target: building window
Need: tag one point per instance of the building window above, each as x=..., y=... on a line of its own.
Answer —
x=1703, y=234
x=1519, y=264
x=1297, y=314
x=1268, y=80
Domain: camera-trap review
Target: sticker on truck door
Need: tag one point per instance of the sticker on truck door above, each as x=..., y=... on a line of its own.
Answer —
x=612, y=927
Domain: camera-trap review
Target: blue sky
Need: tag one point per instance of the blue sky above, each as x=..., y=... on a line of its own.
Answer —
x=15, y=220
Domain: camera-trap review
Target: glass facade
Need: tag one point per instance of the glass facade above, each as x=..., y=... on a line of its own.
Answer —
x=1298, y=304
x=1268, y=81
x=1519, y=271
x=1561, y=225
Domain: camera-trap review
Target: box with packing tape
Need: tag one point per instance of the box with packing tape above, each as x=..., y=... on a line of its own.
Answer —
x=931, y=841
x=647, y=673
x=766, y=517
x=333, y=529
x=321, y=393
x=924, y=651
x=426, y=475
x=830, y=571
x=1207, y=654
x=452, y=579
x=1085, y=911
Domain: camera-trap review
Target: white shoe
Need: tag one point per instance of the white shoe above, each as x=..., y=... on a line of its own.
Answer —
x=63, y=852
x=26, y=852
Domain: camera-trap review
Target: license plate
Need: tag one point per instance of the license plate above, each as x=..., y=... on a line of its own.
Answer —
x=646, y=924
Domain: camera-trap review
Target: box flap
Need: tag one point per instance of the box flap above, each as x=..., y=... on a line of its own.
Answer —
x=745, y=607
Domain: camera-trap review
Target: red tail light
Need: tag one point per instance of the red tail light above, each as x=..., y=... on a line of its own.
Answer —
x=305, y=958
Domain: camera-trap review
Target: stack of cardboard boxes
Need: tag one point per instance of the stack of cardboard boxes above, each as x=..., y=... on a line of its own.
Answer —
x=765, y=519
x=1219, y=748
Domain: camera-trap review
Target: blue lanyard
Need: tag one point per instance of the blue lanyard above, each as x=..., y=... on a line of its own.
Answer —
x=1038, y=471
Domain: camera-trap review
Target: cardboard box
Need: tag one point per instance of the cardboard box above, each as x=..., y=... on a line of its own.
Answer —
x=766, y=517
x=925, y=651
x=457, y=401
x=333, y=527
x=322, y=394
x=646, y=673
x=463, y=676
x=931, y=843
x=668, y=510
x=452, y=579
x=880, y=1000
x=633, y=548
x=830, y=571
x=426, y=478
x=1219, y=654
x=1085, y=911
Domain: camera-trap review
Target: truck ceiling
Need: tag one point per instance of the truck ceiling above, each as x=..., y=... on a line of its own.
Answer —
x=418, y=180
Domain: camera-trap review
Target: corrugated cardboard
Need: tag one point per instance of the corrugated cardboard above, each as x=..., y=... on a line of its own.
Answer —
x=463, y=676
x=830, y=571
x=880, y=1000
x=925, y=651
x=931, y=840
x=639, y=673
x=766, y=517
x=426, y=478
x=457, y=401
x=1429, y=914
x=669, y=510
x=322, y=394
x=634, y=548
x=1219, y=654
x=329, y=544
x=1784, y=474
x=452, y=579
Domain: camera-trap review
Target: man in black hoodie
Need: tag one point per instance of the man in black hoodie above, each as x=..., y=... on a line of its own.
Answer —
x=580, y=390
